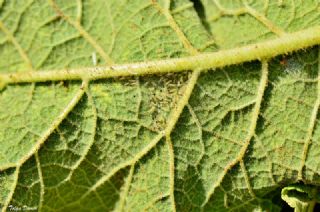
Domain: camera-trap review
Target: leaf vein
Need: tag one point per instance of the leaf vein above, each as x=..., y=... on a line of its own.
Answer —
x=251, y=131
x=264, y=50
x=312, y=124
x=82, y=32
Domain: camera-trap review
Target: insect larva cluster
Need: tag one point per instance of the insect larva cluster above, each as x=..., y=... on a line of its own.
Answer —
x=164, y=93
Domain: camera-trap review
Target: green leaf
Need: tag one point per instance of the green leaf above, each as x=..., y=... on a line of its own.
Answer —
x=157, y=105
x=301, y=197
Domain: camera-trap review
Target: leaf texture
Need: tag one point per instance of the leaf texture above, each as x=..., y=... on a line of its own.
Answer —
x=223, y=139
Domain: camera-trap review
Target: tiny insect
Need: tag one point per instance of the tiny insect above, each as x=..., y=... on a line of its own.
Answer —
x=284, y=61
x=291, y=65
x=94, y=58
x=65, y=84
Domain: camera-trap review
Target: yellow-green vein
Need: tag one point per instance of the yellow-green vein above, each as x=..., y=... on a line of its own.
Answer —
x=268, y=49
x=251, y=132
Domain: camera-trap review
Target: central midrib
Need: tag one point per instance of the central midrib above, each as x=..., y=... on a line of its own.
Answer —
x=285, y=44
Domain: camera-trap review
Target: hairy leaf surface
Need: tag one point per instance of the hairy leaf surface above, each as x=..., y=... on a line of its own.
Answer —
x=218, y=139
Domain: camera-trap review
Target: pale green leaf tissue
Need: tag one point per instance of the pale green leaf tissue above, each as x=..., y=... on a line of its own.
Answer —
x=159, y=105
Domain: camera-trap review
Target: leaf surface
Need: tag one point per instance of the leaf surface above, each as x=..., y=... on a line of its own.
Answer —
x=223, y=139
